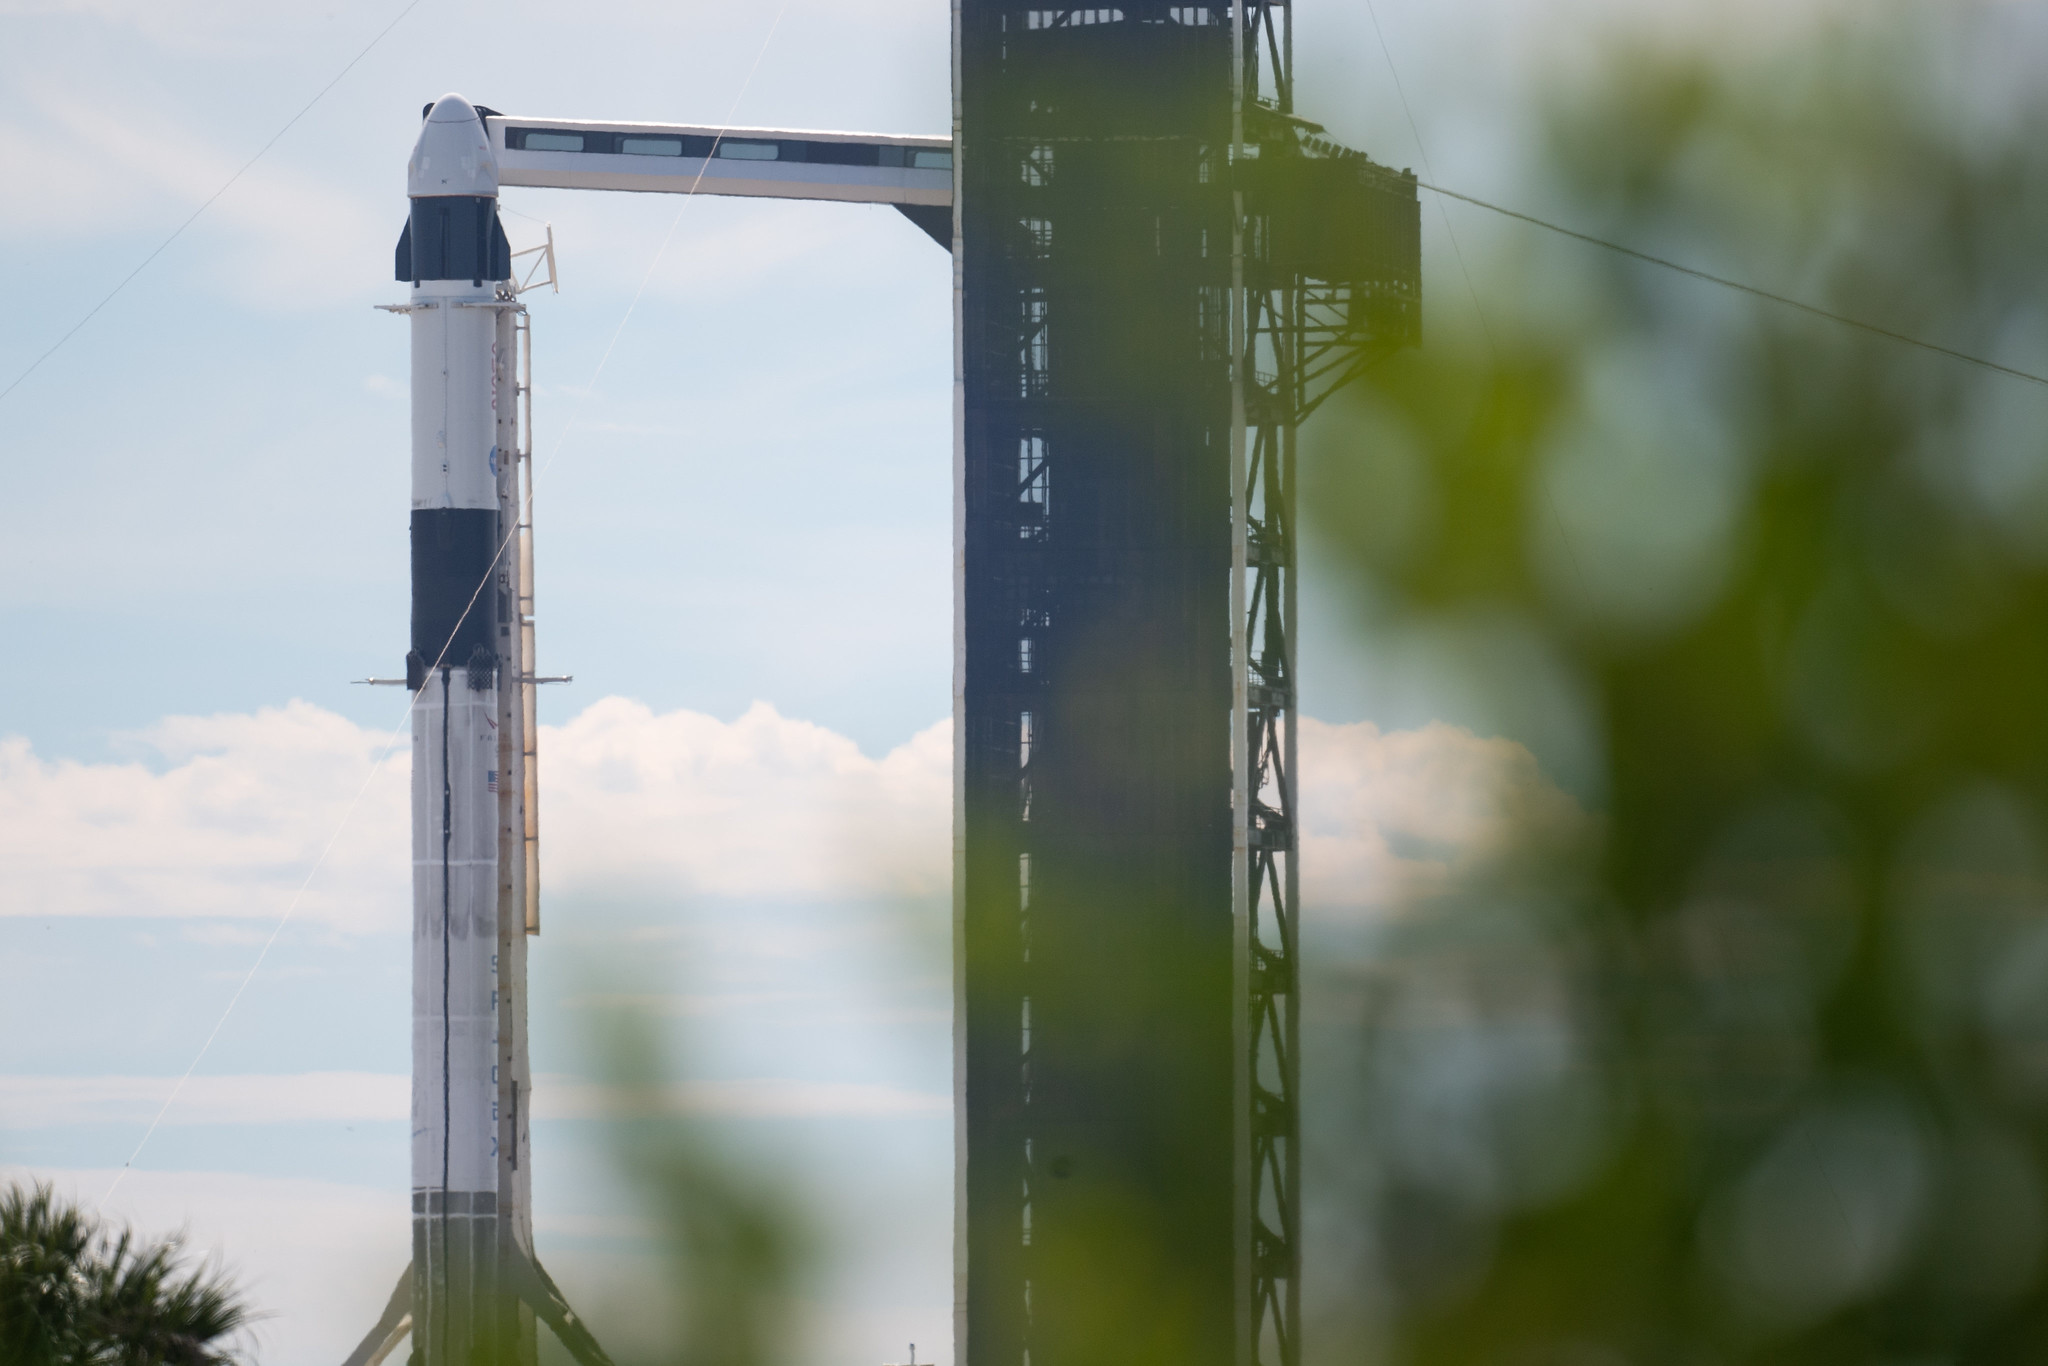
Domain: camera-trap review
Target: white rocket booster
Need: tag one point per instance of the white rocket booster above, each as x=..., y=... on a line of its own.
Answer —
x=474, y=1289
x=455, y=255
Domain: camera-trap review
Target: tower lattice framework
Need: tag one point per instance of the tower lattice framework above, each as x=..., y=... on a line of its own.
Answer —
x=1163, y=270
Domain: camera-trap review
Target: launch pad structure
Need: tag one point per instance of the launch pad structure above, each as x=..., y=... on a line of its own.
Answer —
x=1163, y=270
x=1160, y=270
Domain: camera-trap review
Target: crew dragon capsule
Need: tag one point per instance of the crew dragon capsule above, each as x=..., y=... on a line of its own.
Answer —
x=463, y=504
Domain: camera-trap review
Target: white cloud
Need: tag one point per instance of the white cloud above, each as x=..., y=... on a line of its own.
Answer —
x=371, y=1097
x=229, y=828
x=683, y=802
x=228, y=823
x=556, y=1097
x=691, y=1005
x=232, y=821
x=1391, y=816
x=764, y=804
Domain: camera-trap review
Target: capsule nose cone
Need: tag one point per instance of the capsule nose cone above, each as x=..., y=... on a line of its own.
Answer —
x=453, y=154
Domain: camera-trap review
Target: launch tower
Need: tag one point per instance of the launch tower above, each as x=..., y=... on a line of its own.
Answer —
x=1159, y=271
x=1163, y=270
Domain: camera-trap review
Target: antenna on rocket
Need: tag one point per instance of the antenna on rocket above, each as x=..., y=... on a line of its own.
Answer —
x=544, y=255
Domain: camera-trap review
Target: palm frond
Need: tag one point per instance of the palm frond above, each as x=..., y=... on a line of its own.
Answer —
x=75, y=1291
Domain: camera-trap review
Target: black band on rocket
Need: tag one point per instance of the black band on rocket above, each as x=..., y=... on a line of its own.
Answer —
x=454, y=609
x=453, y=237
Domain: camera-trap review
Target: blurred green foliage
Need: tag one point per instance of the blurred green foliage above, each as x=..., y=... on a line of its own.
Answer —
x=75, y=1291
x=1755, y=1068
x=736, y=1244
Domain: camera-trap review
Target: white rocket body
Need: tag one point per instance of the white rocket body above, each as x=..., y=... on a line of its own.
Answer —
x=462, y=398
x=455, y=941
x=454, y=415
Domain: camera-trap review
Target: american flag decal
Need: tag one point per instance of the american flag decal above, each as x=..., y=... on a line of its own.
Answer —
x=491, y=779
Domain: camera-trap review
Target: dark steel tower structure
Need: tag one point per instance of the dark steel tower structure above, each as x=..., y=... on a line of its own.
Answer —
x=1097, y=933
x=1161, y=271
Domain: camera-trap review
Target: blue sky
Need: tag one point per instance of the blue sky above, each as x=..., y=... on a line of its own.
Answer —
x=744, y=532
x=750, y=502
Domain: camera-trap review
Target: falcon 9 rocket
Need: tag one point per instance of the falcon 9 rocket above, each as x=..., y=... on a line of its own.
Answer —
x=475, y=1288
x=463, y=664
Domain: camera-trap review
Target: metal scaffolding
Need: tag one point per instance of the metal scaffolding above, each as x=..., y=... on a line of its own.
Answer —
x=1327, y=283
x=1163, y=271
x=1095, y=916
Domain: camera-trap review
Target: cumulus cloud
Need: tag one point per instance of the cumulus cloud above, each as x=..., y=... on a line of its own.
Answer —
x=228, y=824
x=762, y=804
x=767, y=804
x=231, y=816
x=30, y=1102
x=1392, y=817
x=234, y=814
x=751, y=1098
